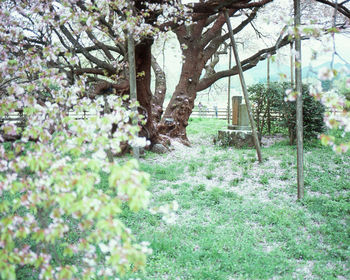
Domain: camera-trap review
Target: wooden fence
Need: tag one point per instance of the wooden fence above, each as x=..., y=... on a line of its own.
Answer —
x=220, y=113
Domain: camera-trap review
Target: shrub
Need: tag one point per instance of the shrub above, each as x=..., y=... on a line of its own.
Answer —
x=263, y=100
x=272, y=101
x=313, y=112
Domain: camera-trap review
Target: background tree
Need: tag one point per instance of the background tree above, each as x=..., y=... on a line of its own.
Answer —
x=204, y=41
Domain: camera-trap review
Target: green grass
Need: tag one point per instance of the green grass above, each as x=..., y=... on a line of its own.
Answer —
x=169, y=172
x=238, y=219
x=202, y=125
x=223, y=231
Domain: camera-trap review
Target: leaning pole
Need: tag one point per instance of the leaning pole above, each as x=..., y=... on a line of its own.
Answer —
x=244, y=87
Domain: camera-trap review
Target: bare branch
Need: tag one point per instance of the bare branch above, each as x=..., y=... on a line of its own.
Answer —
x=101, y=45
x=98, y=62
x=338, y=6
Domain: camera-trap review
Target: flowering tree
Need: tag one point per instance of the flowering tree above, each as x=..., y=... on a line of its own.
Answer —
x=95, y=38
x=60, y=190
x=61, y=194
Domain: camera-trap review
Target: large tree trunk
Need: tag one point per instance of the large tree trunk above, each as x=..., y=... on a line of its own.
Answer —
x=175, y=118
x=159, y=91
x=143, y=59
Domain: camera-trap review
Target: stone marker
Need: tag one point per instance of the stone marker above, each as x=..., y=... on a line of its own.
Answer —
x=239, y=133
x=236, y=102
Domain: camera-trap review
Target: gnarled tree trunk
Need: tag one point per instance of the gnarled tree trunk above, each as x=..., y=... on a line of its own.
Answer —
x=159, y=91
x=143, y=59
x=175, y=118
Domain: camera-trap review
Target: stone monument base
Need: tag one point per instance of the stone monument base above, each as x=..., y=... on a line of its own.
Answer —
x=236, y=138
x=238, y=127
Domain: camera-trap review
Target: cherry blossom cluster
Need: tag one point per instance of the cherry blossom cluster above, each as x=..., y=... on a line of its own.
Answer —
x=55, y=218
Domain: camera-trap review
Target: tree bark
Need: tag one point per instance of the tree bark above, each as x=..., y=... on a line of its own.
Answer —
x=159, y=91
x=143, y=58
x=175, y=119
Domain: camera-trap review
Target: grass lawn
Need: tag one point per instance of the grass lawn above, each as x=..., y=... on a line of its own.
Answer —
x=238, y=219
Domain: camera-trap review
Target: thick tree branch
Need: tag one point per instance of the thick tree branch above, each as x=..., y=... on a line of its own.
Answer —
x=246, y=64
x=214, y=31
x=95, y=71
x=216, y=42
x=214, y=6
x=339, y=6
x=160, y=90
x=160, y=83
x=211, y=19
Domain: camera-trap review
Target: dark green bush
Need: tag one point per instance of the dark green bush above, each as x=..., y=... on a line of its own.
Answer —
x=271, y=102
x=264, y=100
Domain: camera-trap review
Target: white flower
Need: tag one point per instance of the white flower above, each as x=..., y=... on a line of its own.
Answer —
x=104, y=248
x=108, y=272
x=90, y=262
x=175, y=205
x=290, y=95
x=325, y=74
x=99, y=155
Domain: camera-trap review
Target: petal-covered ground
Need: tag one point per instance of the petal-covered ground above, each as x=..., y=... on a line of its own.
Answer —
x=238, y=219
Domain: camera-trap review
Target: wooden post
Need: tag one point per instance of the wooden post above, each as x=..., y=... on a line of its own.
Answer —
x=268, y=98
x=236, y=102
x=244, y=87
x=132, y=81
x=268, y=72
x=298, y=84
x=292, y=69
x=229, y=88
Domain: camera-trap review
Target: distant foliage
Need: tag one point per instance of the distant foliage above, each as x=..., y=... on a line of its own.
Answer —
x=272, y=100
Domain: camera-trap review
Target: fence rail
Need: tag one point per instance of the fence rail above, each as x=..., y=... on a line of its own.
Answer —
x=221, y=113
x=19, y=117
